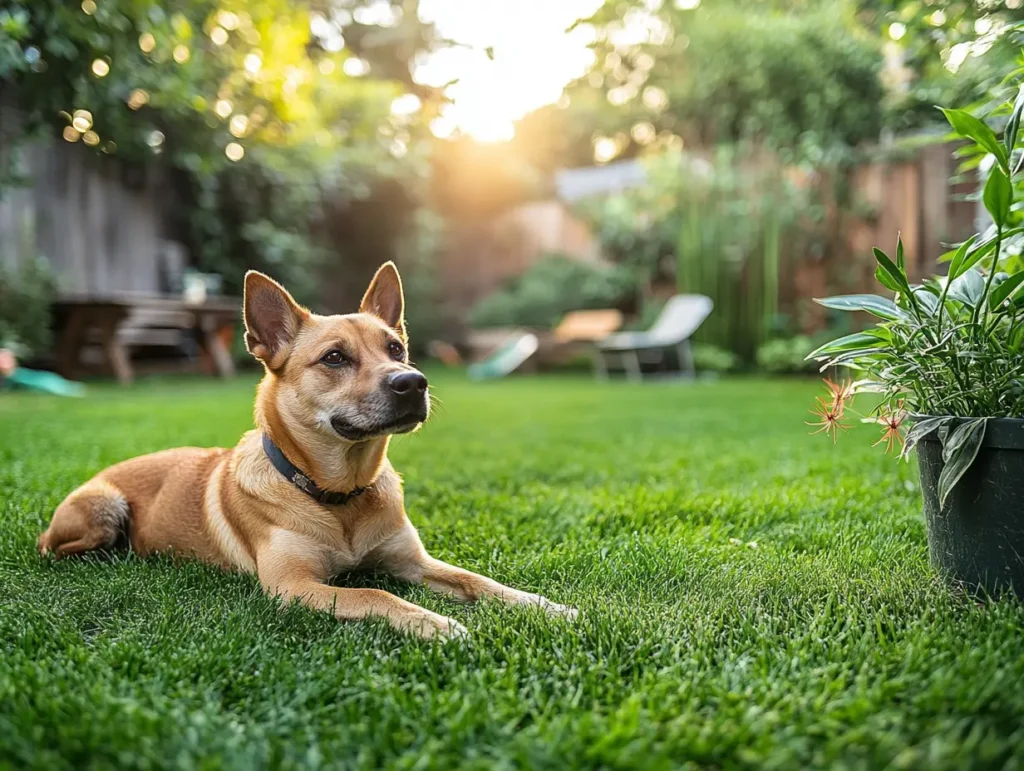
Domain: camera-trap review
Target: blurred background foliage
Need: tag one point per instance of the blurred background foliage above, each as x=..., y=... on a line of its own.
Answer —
x=298, y=139
x=266, y=125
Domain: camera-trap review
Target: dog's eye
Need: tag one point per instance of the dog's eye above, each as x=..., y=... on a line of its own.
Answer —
x=396, y=351
x=333, y=359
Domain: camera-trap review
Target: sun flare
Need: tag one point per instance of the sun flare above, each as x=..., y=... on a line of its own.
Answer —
x=511, y=57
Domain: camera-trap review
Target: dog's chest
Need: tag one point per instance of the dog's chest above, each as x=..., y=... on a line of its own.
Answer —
x=348, y=547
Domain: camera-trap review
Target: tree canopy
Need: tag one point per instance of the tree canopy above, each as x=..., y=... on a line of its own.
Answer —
x=267, y=109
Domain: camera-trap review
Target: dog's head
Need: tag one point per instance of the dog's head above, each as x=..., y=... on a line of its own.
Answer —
x=347, y=376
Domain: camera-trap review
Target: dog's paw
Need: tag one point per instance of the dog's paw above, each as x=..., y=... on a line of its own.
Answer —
x=555, y=610
x=431, y=626
x=456, y=631
x=566, y=612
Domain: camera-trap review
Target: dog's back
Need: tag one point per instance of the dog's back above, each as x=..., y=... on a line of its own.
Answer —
x=156, y=501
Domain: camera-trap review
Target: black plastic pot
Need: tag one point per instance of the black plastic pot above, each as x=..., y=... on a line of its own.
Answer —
x=977, y=539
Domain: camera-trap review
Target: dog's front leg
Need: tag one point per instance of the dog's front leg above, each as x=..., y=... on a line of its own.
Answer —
x=299, y=574
x=405, y=558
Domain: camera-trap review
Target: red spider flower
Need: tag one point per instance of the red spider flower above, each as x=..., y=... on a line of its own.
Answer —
x=891, y=423
x=841, y=393
x=830, y=415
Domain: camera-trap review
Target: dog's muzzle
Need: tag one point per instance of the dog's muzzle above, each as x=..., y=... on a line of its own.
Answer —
x=405, y=405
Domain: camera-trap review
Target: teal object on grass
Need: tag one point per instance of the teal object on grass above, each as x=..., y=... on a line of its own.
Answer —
x=47, y=382
x=507, y=359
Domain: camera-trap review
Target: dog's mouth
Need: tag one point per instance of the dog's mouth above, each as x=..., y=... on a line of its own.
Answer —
x=402, y=424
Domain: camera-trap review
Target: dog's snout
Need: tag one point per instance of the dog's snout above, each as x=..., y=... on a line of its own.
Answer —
x=407, y=383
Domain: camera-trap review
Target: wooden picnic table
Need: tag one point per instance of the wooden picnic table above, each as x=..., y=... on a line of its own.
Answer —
x=84, y=320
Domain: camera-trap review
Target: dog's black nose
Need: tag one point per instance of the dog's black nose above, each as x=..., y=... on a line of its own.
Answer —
x=404, y=383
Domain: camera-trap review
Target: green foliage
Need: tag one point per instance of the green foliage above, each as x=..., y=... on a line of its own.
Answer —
x=731, y=577
x=551, y=288
x=951, y=52
x=416, y=261
x=952, y=347
x=725, y=71
x=719, y=228
x=785, y=356
x=254, y=113
x=711, y=358
x=27, y=293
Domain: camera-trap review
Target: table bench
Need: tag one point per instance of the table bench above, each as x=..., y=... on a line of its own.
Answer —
x=118, y=322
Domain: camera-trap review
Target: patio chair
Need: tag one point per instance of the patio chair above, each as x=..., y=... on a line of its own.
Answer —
x=587, y=326
x=509, y=357
x=681, y=317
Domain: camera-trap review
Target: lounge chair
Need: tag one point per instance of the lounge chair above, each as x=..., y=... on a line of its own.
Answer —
x=681, y=317
x=509, y=357
x=587, y=326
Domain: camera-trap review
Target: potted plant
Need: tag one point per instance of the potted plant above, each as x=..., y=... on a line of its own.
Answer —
x=946, y=361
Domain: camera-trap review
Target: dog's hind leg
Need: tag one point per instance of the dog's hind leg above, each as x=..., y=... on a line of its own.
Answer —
x=95, y=516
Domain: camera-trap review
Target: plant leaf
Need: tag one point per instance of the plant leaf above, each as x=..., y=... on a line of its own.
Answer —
x=959, y=452
x=970, y=127
x=887, y=269
x=1002, y=292
x=850, y=358
x=926, y=300
x=1013, y=124
x=848, y=343
x=976, y=255
x=968, y=288
x=919, y=431
x=876, y=305
x=998, y=196
x=900, y=263
x=959, y=256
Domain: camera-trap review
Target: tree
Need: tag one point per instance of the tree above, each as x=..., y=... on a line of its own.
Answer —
x=793, y=75
x=256, y=107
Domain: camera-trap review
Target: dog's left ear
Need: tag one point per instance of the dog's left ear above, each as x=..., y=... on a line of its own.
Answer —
x=384, y=298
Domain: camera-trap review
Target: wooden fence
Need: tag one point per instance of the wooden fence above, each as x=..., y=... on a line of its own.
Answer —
x=100, y=223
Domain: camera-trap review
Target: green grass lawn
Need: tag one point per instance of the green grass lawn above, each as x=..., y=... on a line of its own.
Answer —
x=750, y=597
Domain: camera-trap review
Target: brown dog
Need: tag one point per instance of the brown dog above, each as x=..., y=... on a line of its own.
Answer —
x=310, y=493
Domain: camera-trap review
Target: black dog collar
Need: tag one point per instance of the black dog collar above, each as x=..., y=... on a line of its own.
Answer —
x=291, y=472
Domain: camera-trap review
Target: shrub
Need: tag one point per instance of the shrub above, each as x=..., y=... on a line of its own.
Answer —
x=711, y=358
x=26, y=297
x=548, y=290
x=786, y=356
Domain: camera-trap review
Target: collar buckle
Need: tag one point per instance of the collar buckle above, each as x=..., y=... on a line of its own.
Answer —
x=305, y=484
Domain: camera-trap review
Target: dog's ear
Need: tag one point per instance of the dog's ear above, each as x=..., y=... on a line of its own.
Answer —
x=272, y=319
x=384, y=298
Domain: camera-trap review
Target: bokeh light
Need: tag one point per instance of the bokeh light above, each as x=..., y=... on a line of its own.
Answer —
x=239, y=125
x=355, y=67
x=605, y=149
x=82, y=120
x=147, y=42
x=234, y=151
x=91, y=138
x=181, y=53
x=137, y=99
x=408, y=104
x=219, y=36
x=228, y=20
x=100, y=68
